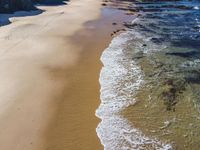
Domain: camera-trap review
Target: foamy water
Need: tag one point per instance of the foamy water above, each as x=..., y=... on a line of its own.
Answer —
x=120, y=78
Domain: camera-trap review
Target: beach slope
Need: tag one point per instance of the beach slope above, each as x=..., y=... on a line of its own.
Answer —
x=36, y=54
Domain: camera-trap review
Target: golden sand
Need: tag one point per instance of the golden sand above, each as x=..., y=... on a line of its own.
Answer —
x=35, y=55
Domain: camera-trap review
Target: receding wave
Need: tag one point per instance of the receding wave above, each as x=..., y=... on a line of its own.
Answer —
x=120, y=78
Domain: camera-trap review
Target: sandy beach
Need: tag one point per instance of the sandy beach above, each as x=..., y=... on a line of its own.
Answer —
x=40, y=84
x=94, y=75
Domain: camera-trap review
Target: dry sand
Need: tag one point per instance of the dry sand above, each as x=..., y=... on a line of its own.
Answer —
x=40, y=85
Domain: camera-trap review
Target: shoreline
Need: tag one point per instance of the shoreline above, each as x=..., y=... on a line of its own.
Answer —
x=84, y=86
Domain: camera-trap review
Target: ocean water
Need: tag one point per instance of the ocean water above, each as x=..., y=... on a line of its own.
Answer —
x=150, y=79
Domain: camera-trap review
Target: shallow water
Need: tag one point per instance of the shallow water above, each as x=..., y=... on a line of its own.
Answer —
x=150, y=82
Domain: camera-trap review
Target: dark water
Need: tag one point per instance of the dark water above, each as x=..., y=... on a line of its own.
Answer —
x=162, y=50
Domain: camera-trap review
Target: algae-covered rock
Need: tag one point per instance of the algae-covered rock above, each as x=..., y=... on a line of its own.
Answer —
x=172, y=88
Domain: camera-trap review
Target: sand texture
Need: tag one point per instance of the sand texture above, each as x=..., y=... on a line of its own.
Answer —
x=36, y=54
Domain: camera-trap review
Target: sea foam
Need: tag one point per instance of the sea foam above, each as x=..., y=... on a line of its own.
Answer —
x=120, y=78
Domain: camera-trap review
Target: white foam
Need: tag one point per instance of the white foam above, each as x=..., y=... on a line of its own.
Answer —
x=195, y=64
x=196, y=7
x=120, y=78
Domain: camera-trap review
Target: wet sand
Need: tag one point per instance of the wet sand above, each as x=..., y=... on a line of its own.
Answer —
x=75, y=122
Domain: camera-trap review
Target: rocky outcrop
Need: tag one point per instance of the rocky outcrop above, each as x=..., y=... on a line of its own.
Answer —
x=50, y=2
x=9, y=6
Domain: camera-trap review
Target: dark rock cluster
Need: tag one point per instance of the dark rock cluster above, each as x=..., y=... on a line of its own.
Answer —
x=10, y=6
x=172, y=89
